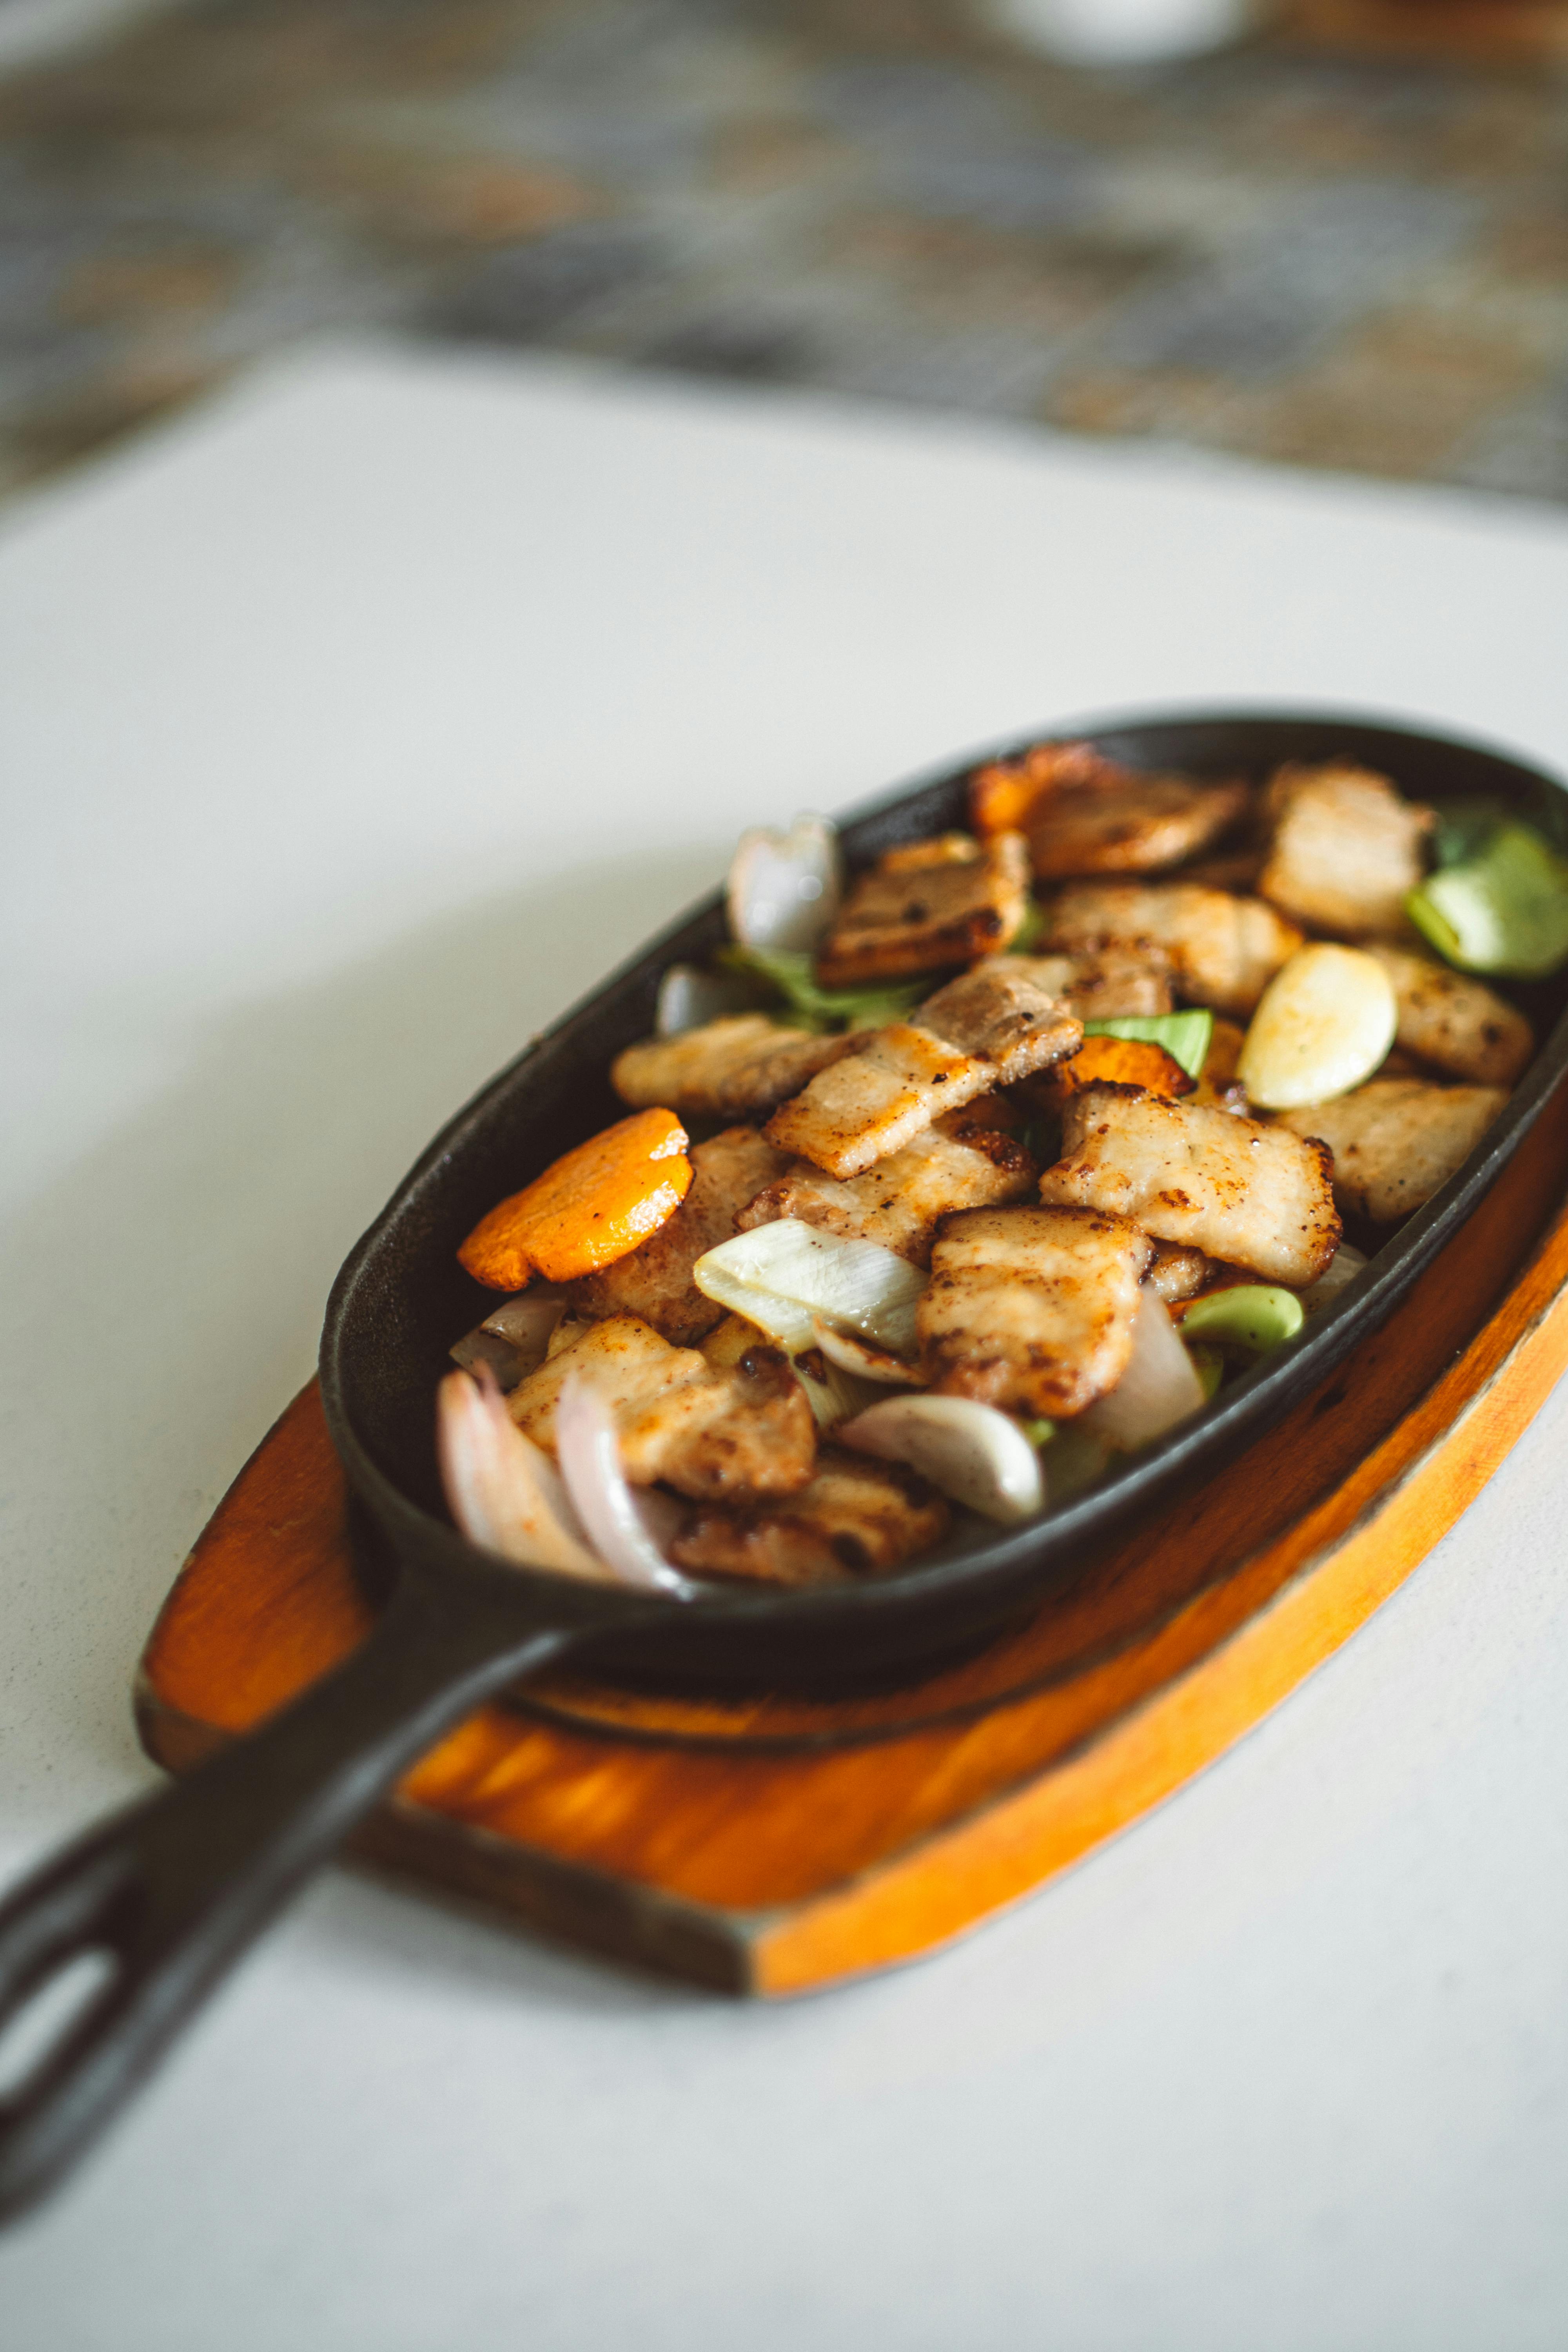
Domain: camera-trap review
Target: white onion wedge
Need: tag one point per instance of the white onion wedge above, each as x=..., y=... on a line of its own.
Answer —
x=1343, y=1269
x=969, y=1450
x=589, y=1453
x=503, y=1492
x=515, y=1339
x=858, y=1356
x=834, y=1396
x=1158, y=1388
x=786, y=1275
x=785, y=887
x=689, y=996
x=1324, y=1024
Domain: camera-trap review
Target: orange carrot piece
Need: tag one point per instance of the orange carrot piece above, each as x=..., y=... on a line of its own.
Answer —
x=592, y=1207
x=1130, y=1060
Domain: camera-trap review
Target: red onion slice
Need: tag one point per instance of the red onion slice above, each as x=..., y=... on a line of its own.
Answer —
x=589, y=1453
x=503, y=1492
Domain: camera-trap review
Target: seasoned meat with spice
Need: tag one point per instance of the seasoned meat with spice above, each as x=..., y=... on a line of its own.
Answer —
x=1396, y=1141
x=1177, y=1273
x=1104, y=983
x=1256, y=1196
x=710, y=1432
x=982, y=1031
x=926, y=906
x=856, y=1518
x=655, y=1281
x=1223, y=950
x=896, y=1203
x=1457, y=1024
x=1084, y=814
x=1346, y=850
x=744, y=1063
x=1032, y=1308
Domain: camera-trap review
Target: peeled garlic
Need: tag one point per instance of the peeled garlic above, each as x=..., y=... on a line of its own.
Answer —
x=785, y=887
x=970, y=1451
x=1326, y=1020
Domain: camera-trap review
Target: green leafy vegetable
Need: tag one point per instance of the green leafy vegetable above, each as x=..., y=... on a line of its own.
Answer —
x=1026, y=938
x=1251, y=1315
x=1038, y=1432
x=1503, y=909
x=1184, y=1035
x=791, y=977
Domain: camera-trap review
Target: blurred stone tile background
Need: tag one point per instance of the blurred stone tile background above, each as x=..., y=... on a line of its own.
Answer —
x=1343, y=243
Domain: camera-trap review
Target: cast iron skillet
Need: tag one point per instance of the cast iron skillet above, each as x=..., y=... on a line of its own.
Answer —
x=172, y=1890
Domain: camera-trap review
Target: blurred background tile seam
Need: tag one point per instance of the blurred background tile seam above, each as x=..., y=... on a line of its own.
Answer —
x=1335, y=236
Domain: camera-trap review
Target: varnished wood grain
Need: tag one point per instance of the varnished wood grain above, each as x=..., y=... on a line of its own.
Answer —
x=709, y=1845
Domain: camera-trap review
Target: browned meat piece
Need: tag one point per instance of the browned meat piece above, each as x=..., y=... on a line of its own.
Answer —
x=926, y=906
x=1346, y=850
x=1177, y=1273
x=1104, y=983
x=1231, y=869
x=744, y=1063
x=655, y=1281
x=857, y=1517
x=896, y=1203
x=980, y=1031
x=1396, y=1141
x=1032, y=1308
x=1256, y=1196
x=1084, y=814
x=1223, y=950
x=1457, y=1024
x=710, y=1432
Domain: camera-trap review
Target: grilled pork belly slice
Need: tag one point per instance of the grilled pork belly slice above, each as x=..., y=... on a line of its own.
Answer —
x=1346, y=849
x=1223, y=950
x=1032, y=1308
x=711, y=1431
x=896, y=1203
x=1104, y=983
x=1177, y=1272
x=1395, y=1142
x=744, y=1063
x=925, y=906
x=1084, y=814
x=984, y=1030
x=1256, y=1196
x=857, y=1517
x=1457, y=1024
x=655, y=1281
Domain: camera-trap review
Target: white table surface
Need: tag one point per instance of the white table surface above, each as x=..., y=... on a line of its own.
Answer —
x=351, y=728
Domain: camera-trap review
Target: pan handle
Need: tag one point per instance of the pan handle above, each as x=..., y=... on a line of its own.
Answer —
x=170, y=1892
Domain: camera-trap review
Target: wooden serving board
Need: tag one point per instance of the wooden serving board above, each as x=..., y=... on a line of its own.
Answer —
x=773, y=1845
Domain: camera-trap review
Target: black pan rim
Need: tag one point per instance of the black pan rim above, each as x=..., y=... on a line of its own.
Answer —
x=1004, y=1560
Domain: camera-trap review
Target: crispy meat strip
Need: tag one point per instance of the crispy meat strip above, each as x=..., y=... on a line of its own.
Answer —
x=744, y=1063
x=1256, y=1196
x=1346, y=850
x=1032, y=1308
x=1223, y=950
x=1104, y=982
x=714, y=1432
x=857, y=1517
x=1457, y=1024
x=1084, y=814
x=896, y=1203
x=655, y=1281
x=925, y=906
x=983, y=1030
x=1396, y=1141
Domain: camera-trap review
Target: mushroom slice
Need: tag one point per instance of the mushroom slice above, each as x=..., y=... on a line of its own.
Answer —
x=972, y=1453
x=1256, y=1196
x=655, y=1281
x=1032, y=1309
x=1459, y=1024
x=927, y=905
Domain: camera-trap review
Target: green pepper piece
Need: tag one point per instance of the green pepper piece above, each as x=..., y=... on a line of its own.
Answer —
x=1504, y=911
x=1209, y=1366
x=1184, y=1035
x=1038, y=1432
x=1252, y=1315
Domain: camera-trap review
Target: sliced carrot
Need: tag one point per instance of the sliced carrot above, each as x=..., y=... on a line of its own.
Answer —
x=1005, y=794
x=592, y=1206
x=1130, y=1061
